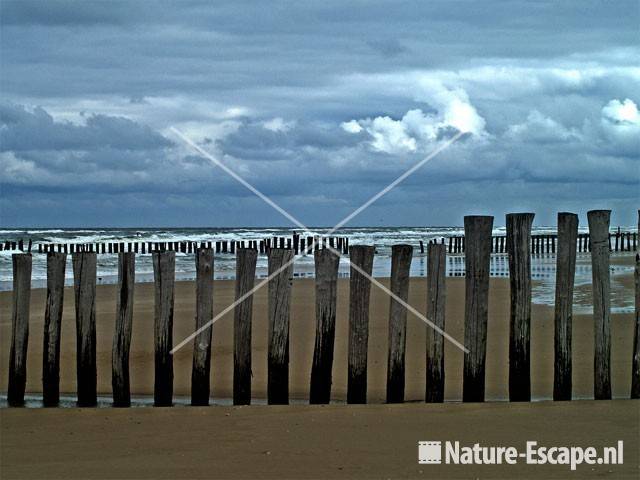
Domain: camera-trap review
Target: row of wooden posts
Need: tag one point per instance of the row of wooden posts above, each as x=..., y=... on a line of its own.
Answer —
x=618, y=242
x=297, y=243
x=280, y=267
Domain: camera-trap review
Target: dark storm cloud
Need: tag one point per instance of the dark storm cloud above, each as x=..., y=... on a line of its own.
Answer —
x=320, y=104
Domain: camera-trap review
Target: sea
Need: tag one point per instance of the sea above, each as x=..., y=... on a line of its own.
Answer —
x=542, y=265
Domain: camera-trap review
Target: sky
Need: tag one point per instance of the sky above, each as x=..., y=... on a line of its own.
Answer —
x=320, y=105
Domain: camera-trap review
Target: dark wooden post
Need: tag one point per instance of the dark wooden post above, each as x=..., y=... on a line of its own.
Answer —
x=359, y=293
x=436, y=296
x=400, y=266
x=326, y=265
x=122, y=331
x=56, y=263
x=245, y=278
x=201, y=366
x=599, y=235
x=19, y=328
x=478, y=233
x=635, y=364
x=164, y=268
x=279, y=308
x=519, y=250
x=84, y=279
x=565, y=275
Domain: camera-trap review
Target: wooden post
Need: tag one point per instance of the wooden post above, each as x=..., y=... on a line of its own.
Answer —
x=519, y=250
x=84, y=279
x=201, y=367
x=400, y=266
x=122, y=331
x=164, y=267
x=436, y=296
x=245, y=278
x=478, y=233
x=599, y=235
x=635, y=365
x=565, y=275
x=19, y=328
x=326, y=265
x=56, y=263
x=279, y=308
x=359, y=293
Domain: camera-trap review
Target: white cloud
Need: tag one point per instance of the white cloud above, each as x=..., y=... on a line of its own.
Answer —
x=539, y=128
x=352, y=126
x=620, y=123
x=277, y=124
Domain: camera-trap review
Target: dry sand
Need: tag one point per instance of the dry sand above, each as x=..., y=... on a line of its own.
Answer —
x=304, y=441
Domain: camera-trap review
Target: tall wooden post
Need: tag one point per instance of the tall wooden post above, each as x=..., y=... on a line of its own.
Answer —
x=245, y=278
x=122, y=332
x=19, y=328
x=599, y=235
x=359, y=294
x=478, y=234
x=84, y=277
x=326, y=264
x=279, y=308
x=400, y=266
x=436, y=297
x=164, y=268
x=201, y=366
x=565, y=275
x=519, y=250
x=56, y=263
x=635, y=364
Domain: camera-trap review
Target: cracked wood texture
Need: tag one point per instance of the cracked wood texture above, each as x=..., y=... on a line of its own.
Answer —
x=599, y=236
x=359, y=294
x=122, y=331
x=436, y=298
x=519, y=252
x=245, y=278
x=56, y=265
x=326, y=288
x=477, y=230
x=563, y=315
x=84, y=282
x=201, y=368
x=399, y=284
x=279, y=305
x=19, y=328
x=164, y=267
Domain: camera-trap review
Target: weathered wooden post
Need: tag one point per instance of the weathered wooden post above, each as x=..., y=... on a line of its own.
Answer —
x=478, y=233
x=400, y=266
x=279, y=308
x=19, y=328
x=84, y=279
x=519, y=250
x=565, y=275
x=635, y=364
x=122, y=332
x=599, y=235
x=359, y=293
x=326, y=283
x=245, y=278
x=201, y=366
x=56, y=263
x=164, y=268
x=436, y=296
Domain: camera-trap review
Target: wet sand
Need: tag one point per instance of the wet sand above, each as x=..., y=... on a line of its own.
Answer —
x=310, y=441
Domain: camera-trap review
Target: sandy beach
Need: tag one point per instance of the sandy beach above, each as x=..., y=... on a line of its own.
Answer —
x=305, y=441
